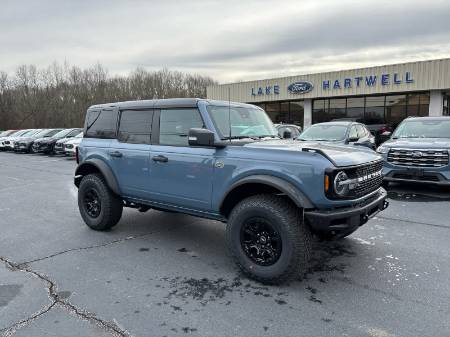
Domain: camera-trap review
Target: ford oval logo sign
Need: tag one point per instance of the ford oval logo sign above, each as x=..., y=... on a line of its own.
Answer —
x=301, y=87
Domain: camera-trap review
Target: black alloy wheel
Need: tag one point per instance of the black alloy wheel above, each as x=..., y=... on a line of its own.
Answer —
x=261, y=242
x=92, y=203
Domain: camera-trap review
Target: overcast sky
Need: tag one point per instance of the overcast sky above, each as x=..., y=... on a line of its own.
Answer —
x=229, y=40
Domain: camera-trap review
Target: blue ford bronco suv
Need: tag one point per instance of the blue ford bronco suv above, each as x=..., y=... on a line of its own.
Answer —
x=225, y=161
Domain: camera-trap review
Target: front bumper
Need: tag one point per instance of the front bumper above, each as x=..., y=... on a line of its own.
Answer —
x=413, y=175
x=37, y=148
x=21, y=147
x=347, y=219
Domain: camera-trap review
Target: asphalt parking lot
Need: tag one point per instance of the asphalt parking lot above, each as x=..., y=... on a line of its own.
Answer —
x=164, y=274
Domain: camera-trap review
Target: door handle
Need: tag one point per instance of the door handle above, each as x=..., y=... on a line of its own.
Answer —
x=116, y=154
x=160, y=158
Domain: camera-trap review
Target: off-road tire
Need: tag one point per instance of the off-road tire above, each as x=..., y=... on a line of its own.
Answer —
x=111, y=205
x=296, y=238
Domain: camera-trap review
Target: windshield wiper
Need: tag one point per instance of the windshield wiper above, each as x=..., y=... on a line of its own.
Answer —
x=240, y=137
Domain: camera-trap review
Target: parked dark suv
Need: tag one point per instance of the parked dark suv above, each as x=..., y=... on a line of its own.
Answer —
x=418, y=151
x=225, y=161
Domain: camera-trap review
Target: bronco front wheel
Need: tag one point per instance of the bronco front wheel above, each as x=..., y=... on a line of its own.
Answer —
x=268, y=240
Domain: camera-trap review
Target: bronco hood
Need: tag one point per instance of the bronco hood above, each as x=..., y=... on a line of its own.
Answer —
x=339, y=155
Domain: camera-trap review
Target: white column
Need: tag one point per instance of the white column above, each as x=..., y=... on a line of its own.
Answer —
x=307, y=117
x=436, y=103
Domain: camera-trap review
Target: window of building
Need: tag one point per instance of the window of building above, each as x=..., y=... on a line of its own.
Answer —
x=135, y=126
x=296, y=113
x=284, y=112
x=418, y=104
x=100, y=124
x=374, y=112
x=337, y=108
x=175, y=124
x=273, y=110
x=320, y=111
x=355, y=109
x=446, y=111
x=395, y=109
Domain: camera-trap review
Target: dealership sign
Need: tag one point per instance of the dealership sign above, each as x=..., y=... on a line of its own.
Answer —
x=368, y=81
x=303, y=87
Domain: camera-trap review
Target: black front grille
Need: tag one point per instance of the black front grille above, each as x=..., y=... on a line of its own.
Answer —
x=418, y=158
x=368, y=178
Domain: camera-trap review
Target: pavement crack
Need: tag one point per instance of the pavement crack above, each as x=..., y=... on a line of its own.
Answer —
x=51, y=287
x=109, y=243
x=101, y=245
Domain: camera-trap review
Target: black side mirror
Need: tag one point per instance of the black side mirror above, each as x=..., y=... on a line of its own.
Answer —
x=287, y=134
x=353, y=139
x=201, y=137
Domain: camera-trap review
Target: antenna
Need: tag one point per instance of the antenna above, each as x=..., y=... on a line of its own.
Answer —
x=229, y=112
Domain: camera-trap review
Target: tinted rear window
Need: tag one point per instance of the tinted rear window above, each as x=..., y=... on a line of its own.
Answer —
x=100, y=124
x=135, y=126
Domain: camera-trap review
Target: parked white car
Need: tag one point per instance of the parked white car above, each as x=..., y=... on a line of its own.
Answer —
x=71, y=145
x=7, y=143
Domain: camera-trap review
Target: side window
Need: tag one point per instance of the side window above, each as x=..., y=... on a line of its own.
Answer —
x=135, y=126
x=361, y=131
x=100, y=124
x=353, y=133
x=175, y=124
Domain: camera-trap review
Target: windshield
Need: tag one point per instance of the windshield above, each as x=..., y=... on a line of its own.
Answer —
x=325, y=132
x=42, y=133
x=423, y=129
x=245, y=122
x=73, y=133
x=28, y=133
x=61, y=133
x=80, y=135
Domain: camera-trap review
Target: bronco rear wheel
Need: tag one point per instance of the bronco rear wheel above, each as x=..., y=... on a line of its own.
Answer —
x=268, y=240
x=99, y=207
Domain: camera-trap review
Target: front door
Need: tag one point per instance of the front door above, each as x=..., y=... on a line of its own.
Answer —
x=180, y=175
x=130, y=153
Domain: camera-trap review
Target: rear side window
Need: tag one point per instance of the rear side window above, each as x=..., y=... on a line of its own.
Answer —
x=100, y=124
x=135, y=126
x=361, y=131
x=353, y=132
x=175, y=124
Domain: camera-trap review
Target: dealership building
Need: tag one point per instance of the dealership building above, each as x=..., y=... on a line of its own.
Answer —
x=376, y=95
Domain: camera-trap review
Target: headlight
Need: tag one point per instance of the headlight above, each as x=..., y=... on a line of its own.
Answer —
x=382, y=149
x=340, y=187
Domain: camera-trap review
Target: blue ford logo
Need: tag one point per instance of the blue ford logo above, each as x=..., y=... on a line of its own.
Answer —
x=301, y=87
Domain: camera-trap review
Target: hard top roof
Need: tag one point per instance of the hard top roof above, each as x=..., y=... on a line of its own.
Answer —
x=167, y=103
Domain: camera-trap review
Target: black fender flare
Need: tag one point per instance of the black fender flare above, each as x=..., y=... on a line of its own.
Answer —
x=297, y=196
x=85, y=168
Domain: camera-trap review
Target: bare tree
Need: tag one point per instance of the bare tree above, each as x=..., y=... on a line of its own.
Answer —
x=59, y=95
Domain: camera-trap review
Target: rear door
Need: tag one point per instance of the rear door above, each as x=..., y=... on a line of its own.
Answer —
x=180, y=175
x=130, y=152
